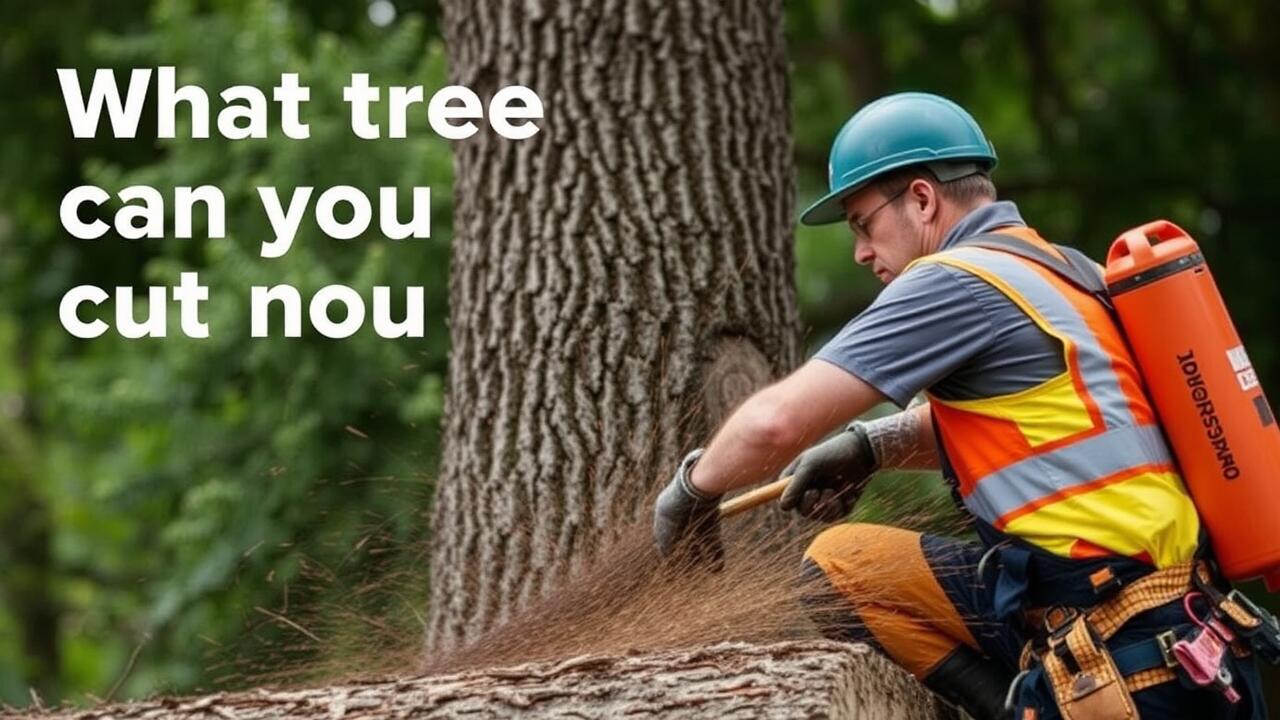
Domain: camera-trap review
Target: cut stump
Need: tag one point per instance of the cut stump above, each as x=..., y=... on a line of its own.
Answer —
x=798, y=679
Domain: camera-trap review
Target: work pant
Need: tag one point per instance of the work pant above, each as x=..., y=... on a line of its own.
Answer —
x=918, y=597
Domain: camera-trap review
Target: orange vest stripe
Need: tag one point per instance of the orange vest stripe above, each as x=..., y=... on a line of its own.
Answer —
x=1103, y=481
x=1043, y=478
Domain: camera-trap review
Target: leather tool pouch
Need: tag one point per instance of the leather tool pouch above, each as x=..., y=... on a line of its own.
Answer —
x=1085, y=682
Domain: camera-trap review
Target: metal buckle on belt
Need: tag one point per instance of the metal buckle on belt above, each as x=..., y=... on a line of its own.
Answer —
x=1105, y=583
x=1165, y=641
x=1058, y=621
x=1243, y=601
x=1265, y=637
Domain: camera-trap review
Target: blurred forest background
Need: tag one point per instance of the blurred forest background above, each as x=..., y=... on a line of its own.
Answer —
x=179, y=514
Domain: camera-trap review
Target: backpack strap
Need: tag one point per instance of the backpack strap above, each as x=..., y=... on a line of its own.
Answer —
x=1077, y=269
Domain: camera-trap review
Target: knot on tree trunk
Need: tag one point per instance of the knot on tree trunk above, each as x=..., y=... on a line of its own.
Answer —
x=736, y=370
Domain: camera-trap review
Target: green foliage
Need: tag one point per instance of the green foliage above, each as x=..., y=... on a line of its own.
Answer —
x=187, y=482
x=1105, y=115
x=156, y=496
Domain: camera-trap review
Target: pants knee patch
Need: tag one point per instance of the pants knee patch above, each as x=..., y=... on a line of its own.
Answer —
x=892, y=597
x=832, y=613
x=840, y=542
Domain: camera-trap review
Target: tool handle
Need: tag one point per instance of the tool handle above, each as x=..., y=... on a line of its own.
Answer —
x=754, y=498
x=1138, y=241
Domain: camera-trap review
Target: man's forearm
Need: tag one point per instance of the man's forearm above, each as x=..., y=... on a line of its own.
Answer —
x=905, y=440
x=748, y=449
x=775, y=424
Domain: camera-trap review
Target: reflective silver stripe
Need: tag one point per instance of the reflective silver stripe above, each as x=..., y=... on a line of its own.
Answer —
x=1093, y=362
x=1079, y=463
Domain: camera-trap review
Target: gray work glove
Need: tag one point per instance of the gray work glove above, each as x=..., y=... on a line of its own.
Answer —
x=687, y=520
x=827, y=479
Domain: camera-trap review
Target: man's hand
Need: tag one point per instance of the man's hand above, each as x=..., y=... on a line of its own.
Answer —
x=827, y=479
x=686, y=519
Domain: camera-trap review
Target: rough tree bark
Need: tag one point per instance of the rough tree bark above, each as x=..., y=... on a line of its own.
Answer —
x=619, y=281
x=817, y=679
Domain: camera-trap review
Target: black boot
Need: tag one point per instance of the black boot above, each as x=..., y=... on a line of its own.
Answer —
x=971, y=682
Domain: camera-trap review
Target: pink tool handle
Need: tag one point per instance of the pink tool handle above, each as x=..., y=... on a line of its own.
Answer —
x=1201, y=657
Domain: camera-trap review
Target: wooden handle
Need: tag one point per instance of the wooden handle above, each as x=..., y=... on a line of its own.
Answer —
x=754, y=498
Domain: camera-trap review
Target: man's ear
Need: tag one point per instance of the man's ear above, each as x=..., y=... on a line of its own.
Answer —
x=925, y=199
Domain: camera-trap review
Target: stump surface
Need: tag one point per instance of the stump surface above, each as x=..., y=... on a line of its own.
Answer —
x=801, y=679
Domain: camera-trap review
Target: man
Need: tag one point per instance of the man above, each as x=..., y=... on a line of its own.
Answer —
x=1037, y=416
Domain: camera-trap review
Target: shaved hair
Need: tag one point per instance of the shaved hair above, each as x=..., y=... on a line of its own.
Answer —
x=964, y=191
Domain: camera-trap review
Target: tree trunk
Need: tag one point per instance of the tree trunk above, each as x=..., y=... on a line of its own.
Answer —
x=816, y=679
x=619, y=282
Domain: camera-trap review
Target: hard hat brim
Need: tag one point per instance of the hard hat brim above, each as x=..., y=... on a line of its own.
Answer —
x=830, y=207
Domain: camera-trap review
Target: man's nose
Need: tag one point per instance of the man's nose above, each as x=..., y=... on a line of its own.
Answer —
x=862, y=252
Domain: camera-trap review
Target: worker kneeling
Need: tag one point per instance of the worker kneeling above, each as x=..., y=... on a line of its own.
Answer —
x=1092, y=592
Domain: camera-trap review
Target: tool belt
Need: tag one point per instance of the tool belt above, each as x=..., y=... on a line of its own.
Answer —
x=1090, y=681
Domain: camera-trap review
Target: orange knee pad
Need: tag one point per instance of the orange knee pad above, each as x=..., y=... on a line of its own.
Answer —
x=883, y=573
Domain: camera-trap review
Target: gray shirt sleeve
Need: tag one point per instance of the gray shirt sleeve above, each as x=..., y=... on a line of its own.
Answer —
x=921, y=328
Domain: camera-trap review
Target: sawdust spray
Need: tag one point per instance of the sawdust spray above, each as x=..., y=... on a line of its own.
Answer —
x=628, y=600
x=623, y=599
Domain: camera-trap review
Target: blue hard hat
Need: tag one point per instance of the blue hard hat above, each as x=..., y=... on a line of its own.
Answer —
x=893, y=132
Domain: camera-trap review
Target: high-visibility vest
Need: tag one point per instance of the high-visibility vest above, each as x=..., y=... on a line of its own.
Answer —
x=1077, y=464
